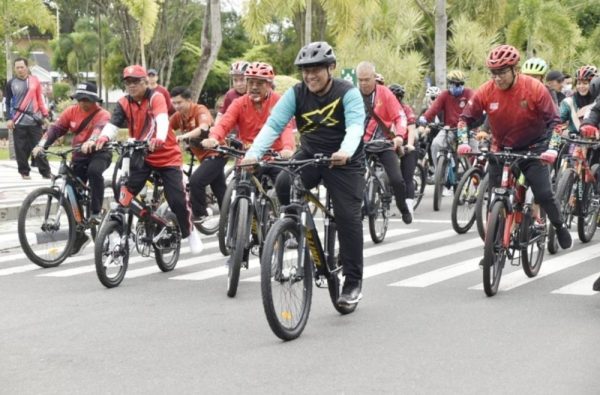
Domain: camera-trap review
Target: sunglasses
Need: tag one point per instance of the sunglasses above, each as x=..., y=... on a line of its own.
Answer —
x=130, y=82
x=455, y=83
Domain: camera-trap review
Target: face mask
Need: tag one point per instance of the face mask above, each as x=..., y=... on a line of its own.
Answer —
x=456, y=90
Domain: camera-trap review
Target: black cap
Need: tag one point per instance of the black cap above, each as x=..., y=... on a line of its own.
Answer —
x=152, y=72
x=86, y=90
x=555, y=75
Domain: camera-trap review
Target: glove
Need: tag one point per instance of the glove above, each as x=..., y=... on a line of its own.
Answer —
x=156, y=144
x=589, y=131
x=101, y=141
x=422, y=120
x=36, y=151
x=549, y=156
x=463, y=149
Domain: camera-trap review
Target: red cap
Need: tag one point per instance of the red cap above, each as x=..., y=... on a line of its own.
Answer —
x=135, y=71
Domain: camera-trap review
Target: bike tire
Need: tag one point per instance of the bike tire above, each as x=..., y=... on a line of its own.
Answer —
x=420, y=181
x=167, y=262
x=532, y=253
x=108, y=244
x=378, y=213
x=587, y=220
x=564, y=186
x=494, y=254
x=439, y=181
x=270, y=214
x=115, y=178
x=224, y=219
x=465, y=197
x=335, y=278
x=210, y=225
x=242, y=230
x=286, y=320
x=482, y=206
x=59, y=242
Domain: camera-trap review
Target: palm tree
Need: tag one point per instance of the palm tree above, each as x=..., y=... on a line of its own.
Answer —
x=145, y=12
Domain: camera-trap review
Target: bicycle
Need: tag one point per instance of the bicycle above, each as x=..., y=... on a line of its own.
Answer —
x=287, y=273
x=377, y=196
x=420, y=178
x=50, y=217
x=250, y=211
x=156, y=232
x=577, y=191
x=464, y=204
x=512, y=227
x=449, y=168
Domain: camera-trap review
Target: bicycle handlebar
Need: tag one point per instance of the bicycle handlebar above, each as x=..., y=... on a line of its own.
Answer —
x=592, y=143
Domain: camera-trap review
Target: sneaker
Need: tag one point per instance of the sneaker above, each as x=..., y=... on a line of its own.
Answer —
x=199, y=219
x=81, y=240
x=447, y=192
x=196, y=245
x=596, y=286
x=407, y=217
x=26, y=176
x=350, y=293
x=564, y=237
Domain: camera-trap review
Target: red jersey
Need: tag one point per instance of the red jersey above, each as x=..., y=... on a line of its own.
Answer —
x=450, y=105
x=165, y=93
x=518, y=117
x=140, y=119
x=197, y=115
x=388, y=109
x=71, y=119
x=411, y=118
x=249, y=121
x=230, y=96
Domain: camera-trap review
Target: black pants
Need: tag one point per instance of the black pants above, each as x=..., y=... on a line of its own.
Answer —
x=26, y=138
x=408, y=164
x=172, y=178
x=345, y=185
x=537, y=175
x=391, y=164
x=90, y=168
x=210, y=172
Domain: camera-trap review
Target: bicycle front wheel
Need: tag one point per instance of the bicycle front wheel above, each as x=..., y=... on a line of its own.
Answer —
x=420, y=181
x=378, y=210
x=224, y=220
x=482, y=206
x=587, y=221
x=532, y=240
x=168, y=247
x=439, y=180
x=565, y=203
x=465, y=201
x=111, y=254
x=46, y=228
x=240, y=232
x=286, y=281
x=494, y=252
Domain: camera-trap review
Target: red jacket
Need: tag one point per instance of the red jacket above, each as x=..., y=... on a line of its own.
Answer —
x=388, y=109
x=451, y=107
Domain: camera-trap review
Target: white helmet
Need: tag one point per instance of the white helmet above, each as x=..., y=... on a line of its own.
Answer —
x=433, y=92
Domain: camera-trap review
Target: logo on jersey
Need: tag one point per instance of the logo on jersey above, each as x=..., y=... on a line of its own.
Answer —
x=72, y=124
x=320, y=117
x=493, y=106
x=523, y=103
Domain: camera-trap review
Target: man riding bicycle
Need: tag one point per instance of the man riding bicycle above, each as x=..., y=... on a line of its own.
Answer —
x=238, y=86
x=521, y=116
x=144, y=112
x=330, y=117
x=385, y=120
x=85, y=120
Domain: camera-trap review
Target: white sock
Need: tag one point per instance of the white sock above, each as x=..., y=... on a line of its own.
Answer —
x=410, y=203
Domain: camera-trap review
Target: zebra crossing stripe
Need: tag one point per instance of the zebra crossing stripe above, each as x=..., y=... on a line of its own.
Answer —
x=439, y=275
x=581, y=287
x=517, y=278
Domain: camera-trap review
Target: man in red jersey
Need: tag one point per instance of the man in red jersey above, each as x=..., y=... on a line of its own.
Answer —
x=238, y=89
x=521, y=116
x=144, y=112
x=153, y=84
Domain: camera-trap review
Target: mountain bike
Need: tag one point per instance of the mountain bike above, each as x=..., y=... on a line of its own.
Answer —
x=156, y=232
x=377, y=197
x=449, y=168
x=50, y=217
x=516, y=230
x=287, y=273
x=577, y=191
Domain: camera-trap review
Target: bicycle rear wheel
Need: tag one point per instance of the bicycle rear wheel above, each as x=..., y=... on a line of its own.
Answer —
x=532, y=240
x=240, y=237
x=210, y=224
x=482, y=206
x=465, y=200
x=378, y=210
x=286, y=282
x=111, y=254
x=46, y=228
x=439, y=181
x=335, y=279
x=420, y=181
x=494, y=253
x=168, y=247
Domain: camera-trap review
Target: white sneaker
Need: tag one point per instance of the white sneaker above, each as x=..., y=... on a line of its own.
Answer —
x=196, y=245
x=410, y=203
x=447, y=192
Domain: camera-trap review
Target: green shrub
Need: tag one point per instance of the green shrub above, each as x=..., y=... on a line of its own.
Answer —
x=60, y=91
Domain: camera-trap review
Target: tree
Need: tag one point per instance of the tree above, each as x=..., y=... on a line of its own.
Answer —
x=77, y=51
x=145, y=12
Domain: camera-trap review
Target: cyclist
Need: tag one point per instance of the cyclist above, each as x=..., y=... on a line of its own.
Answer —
x=448, y=106
x=144, y=111
x=85, y=120
x=535, y=68
x=554, y=83
x=574, y=108
x=238, y=82
x=379, y=79
x=330, y=118
x=385, y=120
x=154, y=85
x=521, y=116
x=193, y=121
x=408, y=163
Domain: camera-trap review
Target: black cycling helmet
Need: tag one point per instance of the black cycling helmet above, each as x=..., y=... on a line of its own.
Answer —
x=315, y=54
x=397, y=90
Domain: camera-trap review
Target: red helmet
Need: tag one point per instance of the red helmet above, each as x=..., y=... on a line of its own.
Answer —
x=586, y=73
x=238, y=68
x=502, y=56
x=262, y=71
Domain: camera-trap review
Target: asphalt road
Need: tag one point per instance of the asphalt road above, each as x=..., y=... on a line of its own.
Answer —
x=424, y=325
